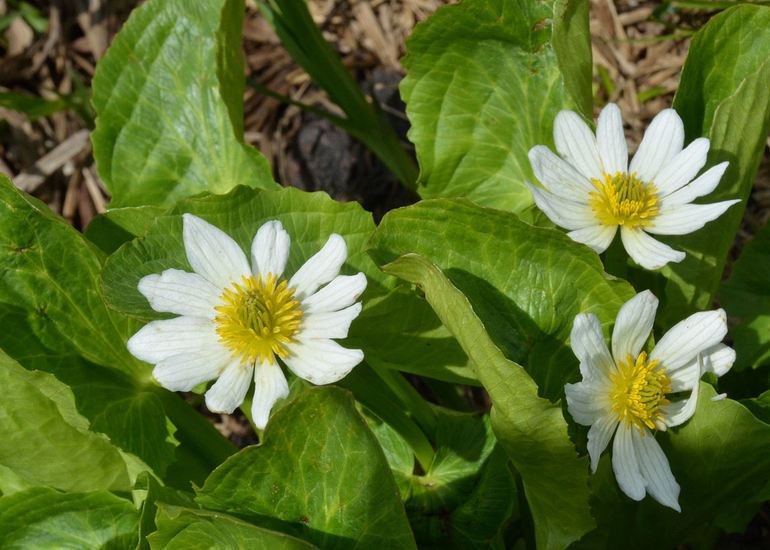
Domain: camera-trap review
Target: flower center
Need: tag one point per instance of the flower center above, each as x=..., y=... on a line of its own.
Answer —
x=258, y=318
x=639, y=392
x=623, y=199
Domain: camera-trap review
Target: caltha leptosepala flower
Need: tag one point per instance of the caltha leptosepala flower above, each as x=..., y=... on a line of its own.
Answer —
x=237, y=319
x=629, y=393
x=592, y=190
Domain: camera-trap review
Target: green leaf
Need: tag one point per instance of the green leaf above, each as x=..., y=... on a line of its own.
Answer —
x=399, y=330
x=759, y=406
x=32, y=15
x=144, y=432
x=319, y=475
x=55, y=312
x=46, y=441
x=746, y=294
x=480, y=520
x=34, y=107
x=407, y=335
x=531, y=429
x=45, y=519
x=520, y=288
x=719, y=458
x=117, y=226
x=463, y=444
x=571, y=42
x=154, y=495
x=483, y=86
x=466, y=494
x=169, y=95
x=392, y=408
x=723, y=95
x=52, y=272
x=184, y=528
x=526, y=284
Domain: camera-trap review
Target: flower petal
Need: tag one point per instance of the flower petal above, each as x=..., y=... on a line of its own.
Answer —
x=270, y=249
x=577, y=144
x=662, y=141
x=655, y=470
x=718, y=359
x=563, y=212
x=646, y=251
x=588, y=401
x=158, y=340
x=321, y=267
x=598, y=237
x=321, y=361
x=329, y=324
x=681, y=169
x=212, y=253
x=557, y=175
x=679, y=412
x=269, y=386
x=599, y=436
x=633, y=325
x=588, y=345
x=625, y=463
x=180, y=292
x=339, y=294
x=184, y=371
x=227, y=393
x=685, y=378
x=611, y=141
x=685, y=340
x=703, y=185
x=686, y=218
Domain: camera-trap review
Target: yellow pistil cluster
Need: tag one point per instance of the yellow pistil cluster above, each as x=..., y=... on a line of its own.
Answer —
x=639, y=392
x=623, y=199
x=257, y=318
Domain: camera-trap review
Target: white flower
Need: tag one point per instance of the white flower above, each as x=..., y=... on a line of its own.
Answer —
x=235, y=318
x=591, y=189
x=625, y=393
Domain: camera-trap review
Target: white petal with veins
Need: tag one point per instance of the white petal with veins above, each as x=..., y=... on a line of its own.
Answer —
x=598, y=237
x=646, y=251
x=180, y=292
x=212, y=253
x=269, y=386
x=686, y=218
x=633, y=325
x=611, y=140
x=557, y=175
x=563, y=212
x=575, y=142
x=321, y=361
x=227, y=393
x=321, y=267
x=270, y=249
x=661, y=142
x=160, y=339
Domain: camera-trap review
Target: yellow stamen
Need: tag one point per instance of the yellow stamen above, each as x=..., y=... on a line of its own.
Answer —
x=623, y=199
x=639, y=392
x=257, y=319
